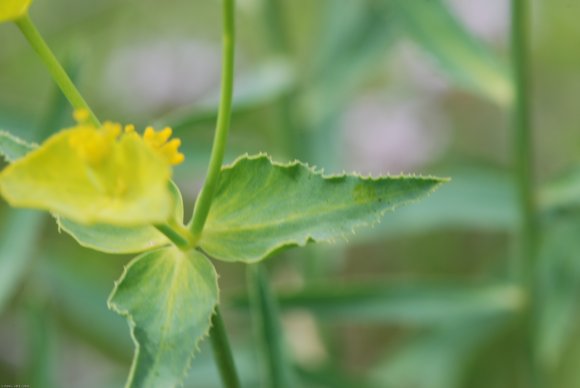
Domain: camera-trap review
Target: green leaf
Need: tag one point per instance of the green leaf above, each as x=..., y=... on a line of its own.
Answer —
x=83, y=175
x=433, y=27
x=119, y=239
x=168, y=297
x=478, y=198
x=13, y=148
x=425, y=303
x=261, y=206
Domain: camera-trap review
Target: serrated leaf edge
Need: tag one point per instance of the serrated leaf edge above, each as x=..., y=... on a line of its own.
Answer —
x=132, y=325
x=320, y=172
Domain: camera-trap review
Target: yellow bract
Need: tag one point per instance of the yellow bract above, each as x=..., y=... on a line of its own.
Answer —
x=13, y=9
x=97, y=175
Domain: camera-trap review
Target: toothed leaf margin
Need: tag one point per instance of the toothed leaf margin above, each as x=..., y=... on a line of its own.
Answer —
x=261, y=207
x=168, y=297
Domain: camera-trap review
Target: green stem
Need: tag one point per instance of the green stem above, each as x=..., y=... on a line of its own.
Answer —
x=218, y=335
x=205, y=198
x=268, y=331
x=222, y=351
x=177, y=234
x=523, y=138
x=58, y=73
x=523, y=163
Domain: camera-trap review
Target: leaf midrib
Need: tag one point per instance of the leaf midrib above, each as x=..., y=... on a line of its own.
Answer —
x=298, y=217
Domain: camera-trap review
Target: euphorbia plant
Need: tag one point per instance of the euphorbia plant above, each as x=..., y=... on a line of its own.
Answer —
x=111, y=189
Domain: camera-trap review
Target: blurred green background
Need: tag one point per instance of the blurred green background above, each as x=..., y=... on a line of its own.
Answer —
x=427, y=298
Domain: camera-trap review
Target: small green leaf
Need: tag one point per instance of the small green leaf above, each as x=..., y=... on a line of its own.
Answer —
x=261, y=206
x=13, y=148
x=458, y=52
x=122, y=239
x=83, y=175
x=168, y=297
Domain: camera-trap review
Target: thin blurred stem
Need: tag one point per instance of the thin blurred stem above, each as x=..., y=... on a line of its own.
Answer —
x=177, y=234
x=205, y=198
x=54, y=67
x=276, y=370
x=523, y=148
x=222, y=352
x=218, y=335
x=523, y=154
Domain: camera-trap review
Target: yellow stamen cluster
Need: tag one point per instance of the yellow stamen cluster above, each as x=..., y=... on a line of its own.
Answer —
x=160, y=141
x=93, y=144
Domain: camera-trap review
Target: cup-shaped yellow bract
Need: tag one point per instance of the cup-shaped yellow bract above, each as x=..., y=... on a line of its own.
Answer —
x=93, y=175
x=13, y=9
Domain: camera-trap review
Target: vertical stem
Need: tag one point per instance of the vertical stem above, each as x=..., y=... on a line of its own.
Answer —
x=218, y=335
x=276, y=370
x=205, y=198
x=222, y=352
x=176, y=233
x=54, y=67
x=523, y=163
x=523, y=138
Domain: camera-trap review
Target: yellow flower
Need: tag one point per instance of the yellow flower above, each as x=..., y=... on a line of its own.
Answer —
x=108, y=174
x=13, y=9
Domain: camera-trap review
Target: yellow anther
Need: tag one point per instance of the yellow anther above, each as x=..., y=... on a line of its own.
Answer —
x=177, y=158
x=156, y=139
x=171, y=153
x=165, y=134
x=149, y=134
x=81, y=115
x=91, y=144
x=112, y=130
x=172, y=145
